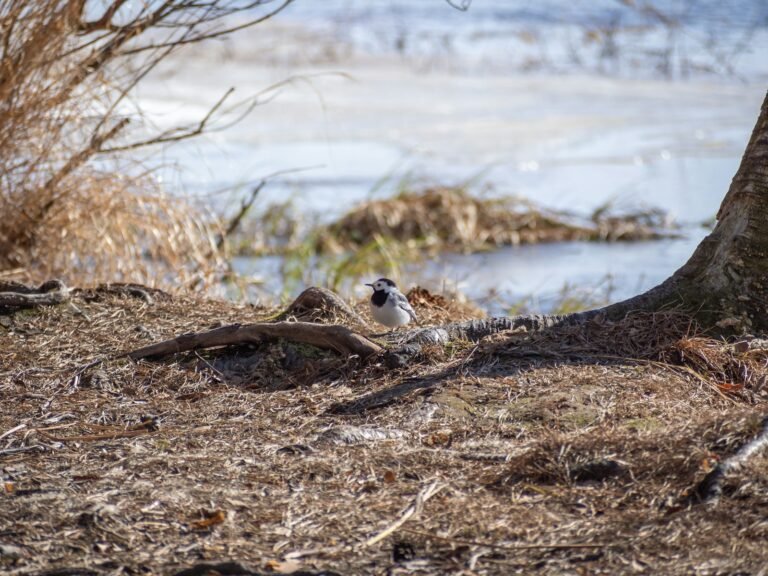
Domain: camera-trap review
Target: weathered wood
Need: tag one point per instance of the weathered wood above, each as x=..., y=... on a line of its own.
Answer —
x=385, y=397
x=710, y=488
x=475, y=330
x=329, y=337
x=16, y=295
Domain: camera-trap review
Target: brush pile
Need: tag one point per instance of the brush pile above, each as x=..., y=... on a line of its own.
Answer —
x=450, y=218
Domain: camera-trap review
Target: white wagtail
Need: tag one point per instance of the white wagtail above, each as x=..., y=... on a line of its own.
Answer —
x=389, y=306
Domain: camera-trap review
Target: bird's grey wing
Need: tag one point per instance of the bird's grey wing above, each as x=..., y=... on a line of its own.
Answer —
x=402, y=302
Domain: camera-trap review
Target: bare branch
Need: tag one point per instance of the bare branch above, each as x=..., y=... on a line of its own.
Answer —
x=462, y=5
x=209, y=35
x=103, y=23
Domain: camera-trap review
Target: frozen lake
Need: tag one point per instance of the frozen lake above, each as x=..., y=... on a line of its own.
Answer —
x=366, y=104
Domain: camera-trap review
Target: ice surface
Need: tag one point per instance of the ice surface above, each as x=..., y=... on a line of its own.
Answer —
x=362, y=106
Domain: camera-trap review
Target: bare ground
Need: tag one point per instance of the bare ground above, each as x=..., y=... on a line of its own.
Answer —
x=521, y=454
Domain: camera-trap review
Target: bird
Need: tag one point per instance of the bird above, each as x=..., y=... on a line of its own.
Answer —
x=389, y=306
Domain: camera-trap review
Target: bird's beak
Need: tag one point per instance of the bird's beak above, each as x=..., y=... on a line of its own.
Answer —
x=371, y=285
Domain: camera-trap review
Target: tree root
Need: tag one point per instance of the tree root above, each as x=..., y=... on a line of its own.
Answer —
x=145, y=293
x=321, y=304
x=710, y=488
x=381, y=398
x=237, y=569
x=14, y=295
x=475, y=330
x=314, y=303
x=329, y=337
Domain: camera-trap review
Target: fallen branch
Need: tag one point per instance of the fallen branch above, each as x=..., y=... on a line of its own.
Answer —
x=16, y=295
x=412, y=510
x=19, y=450
x=237, y=569
x=329, y=337
x=97, y=437
x=711, y=487
x=508, y=547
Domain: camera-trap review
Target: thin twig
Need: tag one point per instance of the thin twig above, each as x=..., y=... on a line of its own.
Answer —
x=509, y=548
x=412, y=510
x=177, y=134
x=711, y=487
x=12, y=430
x=95, y=437
x=245, y=206
x=9, y=451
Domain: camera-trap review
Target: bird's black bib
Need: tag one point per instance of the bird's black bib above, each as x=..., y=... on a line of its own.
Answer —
x=379, y=298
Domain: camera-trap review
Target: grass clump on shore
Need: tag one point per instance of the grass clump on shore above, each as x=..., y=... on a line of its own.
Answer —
x=108, y=226
x=74, y=207
x=449, y=218
x=444, y=218
x=383, y=237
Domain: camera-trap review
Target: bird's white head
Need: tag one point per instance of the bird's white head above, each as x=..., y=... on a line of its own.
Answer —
x=383, y=285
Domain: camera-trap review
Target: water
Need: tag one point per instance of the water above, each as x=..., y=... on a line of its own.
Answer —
x=395, y=87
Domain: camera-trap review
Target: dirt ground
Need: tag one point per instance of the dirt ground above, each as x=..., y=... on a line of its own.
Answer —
x=520, y=454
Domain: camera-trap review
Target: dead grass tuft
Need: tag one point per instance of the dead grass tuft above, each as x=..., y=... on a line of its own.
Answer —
x=450, y=218
x=237, y=454
x=734, y=371
x=67, y=71
x=108, y=227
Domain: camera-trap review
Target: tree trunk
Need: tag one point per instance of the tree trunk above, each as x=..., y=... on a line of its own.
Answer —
x=723, y=285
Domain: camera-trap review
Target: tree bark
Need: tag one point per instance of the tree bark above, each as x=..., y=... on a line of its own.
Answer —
x=724, y=284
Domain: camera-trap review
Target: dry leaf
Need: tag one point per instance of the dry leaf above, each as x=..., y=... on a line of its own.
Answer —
x=440, y=439
x=282, y=566
x=211, y=519
x=389, y=477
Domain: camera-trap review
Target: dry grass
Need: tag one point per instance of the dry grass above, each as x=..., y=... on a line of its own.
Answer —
x=450, y=218
x=242, y=454
x=70, y=207
x=117, y=228
x=436, y=309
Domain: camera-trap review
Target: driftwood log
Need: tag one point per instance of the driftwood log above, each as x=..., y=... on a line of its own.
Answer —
x=315, y=303
x=14, y=295
x=326, y=336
